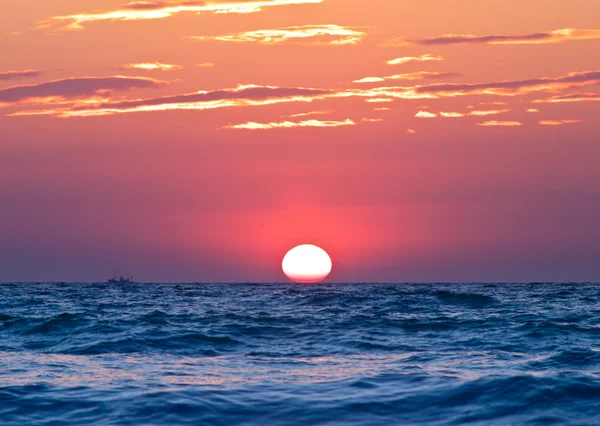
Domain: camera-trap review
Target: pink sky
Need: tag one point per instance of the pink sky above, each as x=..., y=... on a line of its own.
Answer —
x=199, y=141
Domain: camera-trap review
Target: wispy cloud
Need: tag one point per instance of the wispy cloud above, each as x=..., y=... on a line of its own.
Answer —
x=248, y=95
x=532, y=110
x=241, y=96
x=483, y=113
x=145, y=10
x=15, y=75
x=420, y=75
x=152, y=66
x=309, y=34
x=454, y=114
x=556, y=36
x=513, y=87
x=495, y=123
x=410, y=59
x=205, y=65
x=379, y=100
x=425, y=114
x=309, y=113
x=291, y=124
x=558, y=122
x=77, y=87
x=253, y=95
x=572, y=97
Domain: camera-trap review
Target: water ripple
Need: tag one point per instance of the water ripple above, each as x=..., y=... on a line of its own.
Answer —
x=369, y=354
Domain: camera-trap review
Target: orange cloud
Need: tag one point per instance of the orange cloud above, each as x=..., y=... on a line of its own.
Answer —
x=451, y=114
x=558, y=122
x=146, y=10
x=532, y=110
x=482, y=113
x=379, y=100
x=556, y=36
x=14, y=75
x=152, y=66
x=513, y=87
x=205, y=65
x=410, y=59
x=76, y=88
x=249, y=95
x=306, y=114
x=291, y=124
x=494, y=103
x=420, y=75
x=572, y=97
x=252, y=95
x=324, y=34
x=494, y=123
x=425, y=114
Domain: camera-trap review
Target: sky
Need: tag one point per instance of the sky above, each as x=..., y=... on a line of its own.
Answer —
x=198, y=141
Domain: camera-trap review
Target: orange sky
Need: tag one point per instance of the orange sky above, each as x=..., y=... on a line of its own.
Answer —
x=198, y=141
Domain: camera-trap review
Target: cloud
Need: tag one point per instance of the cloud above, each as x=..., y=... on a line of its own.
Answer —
x=76, y=87
x=14, y=75
x=572, y=97
x=410, y=132
x=483, y=113
x=452, y=114
x=243, y=95
x=146, y=10
x=379, y=100
x=324, y=34
x=145, y=5
x=248, y=95
x=254, y=95
x=556, y=36
x=205, y=65
x=495, y=123
x=306, y=114
x=513, y=87
x=411, y=59
x=558, y=122
x=425, y=114
x=494, y=103
x=291, y=124
x=381, y=109
x=532, y=110
x=152, y=66
x=420, y=75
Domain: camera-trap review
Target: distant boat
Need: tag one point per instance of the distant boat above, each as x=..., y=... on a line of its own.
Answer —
x=120, y=280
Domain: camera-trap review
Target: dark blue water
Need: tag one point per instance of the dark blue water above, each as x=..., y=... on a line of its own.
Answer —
x=95, y=354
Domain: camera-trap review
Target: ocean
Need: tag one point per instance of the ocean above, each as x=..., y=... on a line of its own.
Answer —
x=284, y=354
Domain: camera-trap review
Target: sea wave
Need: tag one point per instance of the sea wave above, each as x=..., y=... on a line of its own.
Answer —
x=368, y=354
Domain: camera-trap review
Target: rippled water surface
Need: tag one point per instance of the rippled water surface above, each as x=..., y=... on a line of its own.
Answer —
x=363, y=354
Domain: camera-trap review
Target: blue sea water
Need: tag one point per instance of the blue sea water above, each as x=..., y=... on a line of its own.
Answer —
x=362, y=354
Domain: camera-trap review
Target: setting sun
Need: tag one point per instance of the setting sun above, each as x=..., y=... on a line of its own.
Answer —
x=306, y=264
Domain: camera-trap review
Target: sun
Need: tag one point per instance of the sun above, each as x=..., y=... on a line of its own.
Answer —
x=306, y=264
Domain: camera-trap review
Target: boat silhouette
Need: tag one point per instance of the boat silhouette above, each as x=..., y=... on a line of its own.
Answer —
x=120, y=280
